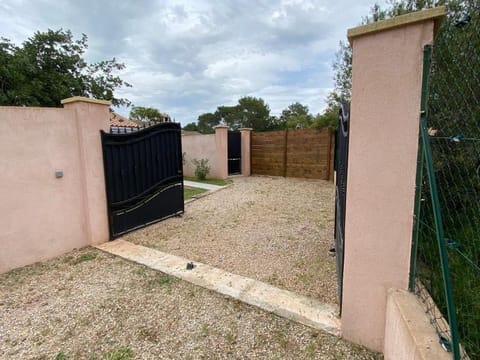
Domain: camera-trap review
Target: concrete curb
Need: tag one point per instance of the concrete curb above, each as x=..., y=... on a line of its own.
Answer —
x=200, y=185
x=208, y=192
x=284, y=303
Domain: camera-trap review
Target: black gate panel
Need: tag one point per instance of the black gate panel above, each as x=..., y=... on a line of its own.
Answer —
x=234, y=152
x=143, y=176
x=341, y=168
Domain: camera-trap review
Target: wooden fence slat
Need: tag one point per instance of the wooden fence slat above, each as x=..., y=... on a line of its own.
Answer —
x=304, y=153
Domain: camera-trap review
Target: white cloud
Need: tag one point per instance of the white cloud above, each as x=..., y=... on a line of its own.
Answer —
x=188, y=57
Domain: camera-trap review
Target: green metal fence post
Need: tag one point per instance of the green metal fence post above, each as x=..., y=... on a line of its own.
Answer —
x=452, y=317
x=427, y=50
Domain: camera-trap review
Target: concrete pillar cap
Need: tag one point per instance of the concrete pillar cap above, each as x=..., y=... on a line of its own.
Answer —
x=436, y=14
x=85, y=99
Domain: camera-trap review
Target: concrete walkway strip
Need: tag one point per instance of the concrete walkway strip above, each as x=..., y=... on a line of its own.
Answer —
x=201, y=185
x=267, y=297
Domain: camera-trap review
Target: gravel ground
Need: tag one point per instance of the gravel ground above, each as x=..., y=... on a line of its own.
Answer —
x=276, y=230
x=91, y=305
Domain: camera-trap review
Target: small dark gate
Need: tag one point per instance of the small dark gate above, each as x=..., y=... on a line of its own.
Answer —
x=341, y=168
x=234, y=152
x=143, y=176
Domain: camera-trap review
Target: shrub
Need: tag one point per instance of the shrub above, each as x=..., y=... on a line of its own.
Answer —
x=201, y=168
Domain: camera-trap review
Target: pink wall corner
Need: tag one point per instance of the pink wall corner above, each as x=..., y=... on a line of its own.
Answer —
x=386, y=87
x=91, y=117
x=246, y=159
x=41, y=216
x=200, y=146
x=221, y=143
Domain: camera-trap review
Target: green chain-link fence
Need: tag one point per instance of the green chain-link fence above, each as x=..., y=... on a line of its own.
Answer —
x=446, y=251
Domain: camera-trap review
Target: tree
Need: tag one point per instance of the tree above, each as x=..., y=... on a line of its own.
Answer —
x=191, y=127
x=249, y=112
x=329, y=118
x=229, y=115
x=274, y=123
x=253, y=113
x=49, y=67
x=147, y=114
x=206, y=123
x=296, y=115
x=342, y=68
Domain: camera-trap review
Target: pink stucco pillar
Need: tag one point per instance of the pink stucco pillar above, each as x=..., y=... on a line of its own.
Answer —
x=92, y=116
x=386, y=88
x=246, y=167
x=221, y=144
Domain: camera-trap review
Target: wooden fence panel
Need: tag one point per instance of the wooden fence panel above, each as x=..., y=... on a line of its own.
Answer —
x=305, y=153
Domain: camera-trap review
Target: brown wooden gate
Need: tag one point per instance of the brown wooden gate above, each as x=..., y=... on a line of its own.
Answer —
x=304, y=153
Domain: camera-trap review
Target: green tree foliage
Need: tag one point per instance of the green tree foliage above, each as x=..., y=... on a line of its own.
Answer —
x=206, y=123
x=49, y=67
x=296, y=115
x=147, y=114
x=191, y=127
x=253, y=113
x=329, y=118
x=249, y=112
x=229, y=115
x=342, y=68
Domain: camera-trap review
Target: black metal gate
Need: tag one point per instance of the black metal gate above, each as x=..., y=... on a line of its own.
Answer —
x=143, y=176
x=234, y=152
x=341, y=168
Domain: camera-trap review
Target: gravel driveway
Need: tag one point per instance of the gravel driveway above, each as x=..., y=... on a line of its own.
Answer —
x=276, y=230
x=91, y=305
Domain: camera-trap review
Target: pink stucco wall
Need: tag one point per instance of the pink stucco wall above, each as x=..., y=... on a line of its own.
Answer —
x=246, y=160
x=221, y=142
x=42, y=216
x=409, y=334
x=199, y=147
x=212, y=147
x=387, y=76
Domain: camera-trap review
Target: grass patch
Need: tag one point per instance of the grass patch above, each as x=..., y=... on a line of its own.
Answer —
x=83, y=258
x=61, y=356
x=161, y=280
x=165, y=280
x=218, y=182
x=189, y=192
x=119, y=354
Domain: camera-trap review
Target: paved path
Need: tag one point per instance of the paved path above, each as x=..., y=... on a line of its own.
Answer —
x=284, y=303
x=201, y=185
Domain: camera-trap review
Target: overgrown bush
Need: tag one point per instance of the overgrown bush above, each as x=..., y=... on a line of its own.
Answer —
x=201, y=168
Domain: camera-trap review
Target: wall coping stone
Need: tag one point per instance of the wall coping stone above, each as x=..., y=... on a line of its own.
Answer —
x=85, y=99
x=436, y=14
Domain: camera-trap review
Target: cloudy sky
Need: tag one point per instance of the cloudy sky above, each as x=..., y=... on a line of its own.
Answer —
x=188, y=57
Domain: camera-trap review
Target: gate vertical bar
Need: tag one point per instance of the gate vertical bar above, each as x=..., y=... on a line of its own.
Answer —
x=107, y=161
x=341, y=168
